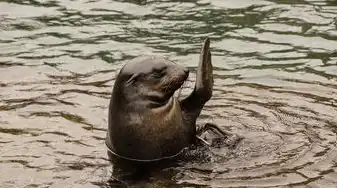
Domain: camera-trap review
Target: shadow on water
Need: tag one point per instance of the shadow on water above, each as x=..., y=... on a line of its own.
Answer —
x=275, y=70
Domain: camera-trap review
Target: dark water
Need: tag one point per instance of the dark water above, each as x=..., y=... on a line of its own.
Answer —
x=275, y=67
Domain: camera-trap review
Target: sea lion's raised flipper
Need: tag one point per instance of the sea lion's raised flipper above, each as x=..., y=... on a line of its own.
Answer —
x=204, y=78
x=203, y=89
x=193, y=104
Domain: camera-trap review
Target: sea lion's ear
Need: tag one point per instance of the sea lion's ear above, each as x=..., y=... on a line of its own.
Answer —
x=132, y=79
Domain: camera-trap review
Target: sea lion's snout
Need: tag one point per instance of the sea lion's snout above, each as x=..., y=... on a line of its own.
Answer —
x=182, y=74
x=185, y=76
x=179, y=75
x=186, y=71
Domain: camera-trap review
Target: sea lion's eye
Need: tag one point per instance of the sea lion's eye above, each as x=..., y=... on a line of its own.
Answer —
x=157, y=75
x=159, y=70
x=134, y=78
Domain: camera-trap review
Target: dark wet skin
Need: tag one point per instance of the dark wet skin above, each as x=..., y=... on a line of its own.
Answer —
x=146, y=122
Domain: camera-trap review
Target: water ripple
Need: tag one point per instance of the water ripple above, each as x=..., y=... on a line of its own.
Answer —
x=275, y=69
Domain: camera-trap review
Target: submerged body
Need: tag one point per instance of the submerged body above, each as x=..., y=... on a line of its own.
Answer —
x=146, y=122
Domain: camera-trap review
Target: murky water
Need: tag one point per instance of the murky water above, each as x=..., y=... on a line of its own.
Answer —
x=275, y=68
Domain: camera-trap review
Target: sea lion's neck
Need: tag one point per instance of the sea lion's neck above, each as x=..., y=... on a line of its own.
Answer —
x=156, y=100
x=161, y=103
x=149, y=101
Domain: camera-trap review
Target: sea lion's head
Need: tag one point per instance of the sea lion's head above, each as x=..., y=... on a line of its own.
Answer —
x=151, y=78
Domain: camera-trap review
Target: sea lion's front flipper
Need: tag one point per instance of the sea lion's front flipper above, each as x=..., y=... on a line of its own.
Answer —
x=193, y=104
x=204, y=78
x=230, y=139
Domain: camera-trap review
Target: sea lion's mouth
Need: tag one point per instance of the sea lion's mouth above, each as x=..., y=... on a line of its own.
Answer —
x=179, y=83
x=180, y=89
x=177, y=87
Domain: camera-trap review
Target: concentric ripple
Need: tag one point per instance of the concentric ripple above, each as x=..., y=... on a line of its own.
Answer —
x=275, y=69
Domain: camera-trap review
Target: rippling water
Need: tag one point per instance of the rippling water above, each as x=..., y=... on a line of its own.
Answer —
x=275, y=68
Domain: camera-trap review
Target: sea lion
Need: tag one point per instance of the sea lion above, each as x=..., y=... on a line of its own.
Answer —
x=146, y=122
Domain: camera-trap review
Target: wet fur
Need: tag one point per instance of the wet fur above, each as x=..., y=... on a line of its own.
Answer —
x=146, y=122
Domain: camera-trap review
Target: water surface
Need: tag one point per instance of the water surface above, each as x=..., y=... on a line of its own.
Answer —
x=275, y=68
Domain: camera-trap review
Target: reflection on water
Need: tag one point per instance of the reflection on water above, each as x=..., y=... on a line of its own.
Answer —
x=275, y=67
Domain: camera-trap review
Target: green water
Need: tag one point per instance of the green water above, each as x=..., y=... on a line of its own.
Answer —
x=275, y=69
